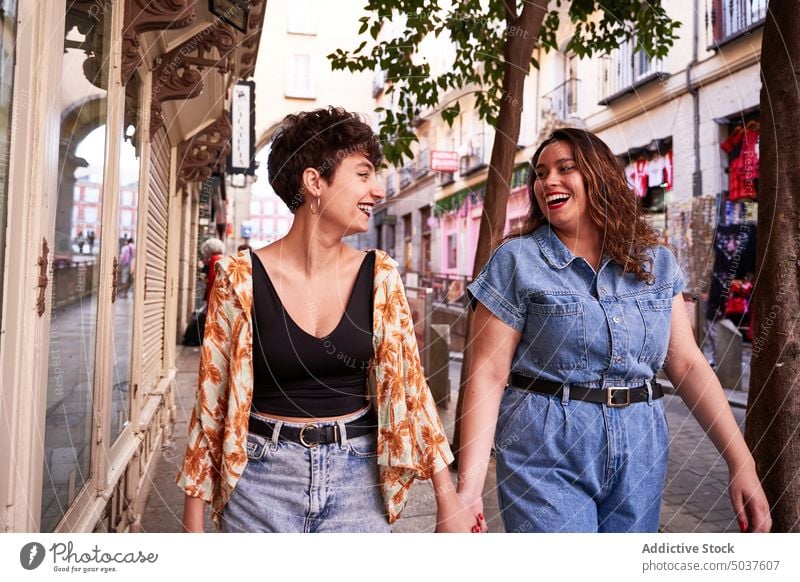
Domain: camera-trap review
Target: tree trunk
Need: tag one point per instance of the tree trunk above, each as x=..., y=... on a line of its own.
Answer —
x=773, y=419
x=521, y=38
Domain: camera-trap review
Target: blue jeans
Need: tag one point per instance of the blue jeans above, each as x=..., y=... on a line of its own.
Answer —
x=287, y=487
x=571, y=466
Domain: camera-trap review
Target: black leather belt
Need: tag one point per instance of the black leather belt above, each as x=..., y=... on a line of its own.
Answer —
x=613, y=396
x=311, y=435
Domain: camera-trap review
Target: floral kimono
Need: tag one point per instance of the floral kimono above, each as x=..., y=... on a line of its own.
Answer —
x=411, y=439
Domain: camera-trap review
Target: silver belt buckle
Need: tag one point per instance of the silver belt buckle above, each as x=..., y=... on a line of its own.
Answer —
x=610, y=396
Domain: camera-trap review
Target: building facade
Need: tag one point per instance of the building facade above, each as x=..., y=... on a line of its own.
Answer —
x=114, y=114
x=684, y=126
x=298, y=37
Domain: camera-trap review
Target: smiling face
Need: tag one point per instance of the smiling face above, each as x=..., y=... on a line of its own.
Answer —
x=347, y=201
x=560, y=189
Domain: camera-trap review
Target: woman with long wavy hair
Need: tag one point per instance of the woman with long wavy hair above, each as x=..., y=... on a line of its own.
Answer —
x=575, y=315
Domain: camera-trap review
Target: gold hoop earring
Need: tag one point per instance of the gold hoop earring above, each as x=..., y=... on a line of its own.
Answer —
x=311, y=205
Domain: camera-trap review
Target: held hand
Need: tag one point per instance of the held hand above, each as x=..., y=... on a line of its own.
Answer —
x=453, y=516
x=749, y=501
x=475, y=508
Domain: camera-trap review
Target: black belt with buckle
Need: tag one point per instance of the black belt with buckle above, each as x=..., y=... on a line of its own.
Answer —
x=311, y=434
x=613, y=396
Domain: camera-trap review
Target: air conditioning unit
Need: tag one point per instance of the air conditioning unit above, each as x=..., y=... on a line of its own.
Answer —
x=445, y=178
x=469, y=164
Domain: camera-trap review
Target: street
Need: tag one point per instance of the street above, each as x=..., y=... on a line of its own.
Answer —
x=695, y=498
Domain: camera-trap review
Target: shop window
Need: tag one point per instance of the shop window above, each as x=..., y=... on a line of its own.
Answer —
x=127, y=275
x=742, y=147
x=425, y=247
x=408, y=246
x=655, y=200
x=8, y=25
x=650, y=177
x=68, y=443
x=452, y=251
x=390, y=241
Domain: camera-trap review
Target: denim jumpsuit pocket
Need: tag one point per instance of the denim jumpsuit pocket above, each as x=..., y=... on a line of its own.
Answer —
x=560, y=330
x=657, y=317
x=514, y=402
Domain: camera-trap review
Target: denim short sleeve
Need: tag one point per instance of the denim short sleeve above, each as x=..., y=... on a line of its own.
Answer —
x=499, y=288
x=672, y=270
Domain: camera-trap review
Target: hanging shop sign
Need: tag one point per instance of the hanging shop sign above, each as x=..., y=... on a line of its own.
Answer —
x=242, y=159
x=442, y=161
x=234, y=12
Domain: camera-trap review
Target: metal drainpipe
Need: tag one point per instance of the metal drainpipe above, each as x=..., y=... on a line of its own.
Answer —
x=697, y=176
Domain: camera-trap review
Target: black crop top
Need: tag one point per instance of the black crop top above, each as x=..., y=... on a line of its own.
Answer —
x=297, y=374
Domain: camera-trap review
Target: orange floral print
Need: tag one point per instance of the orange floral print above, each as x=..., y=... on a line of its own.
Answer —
x=411, y=441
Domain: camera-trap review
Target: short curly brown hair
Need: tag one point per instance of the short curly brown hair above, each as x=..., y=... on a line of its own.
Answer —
x=318, y=139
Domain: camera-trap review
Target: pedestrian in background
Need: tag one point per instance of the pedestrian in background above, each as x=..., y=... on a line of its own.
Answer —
x=582, y=308
x=284, y=437
x=127, y=258
x=211, y=251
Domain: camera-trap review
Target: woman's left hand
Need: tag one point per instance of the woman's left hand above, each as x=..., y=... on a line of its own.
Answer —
x=749, y=501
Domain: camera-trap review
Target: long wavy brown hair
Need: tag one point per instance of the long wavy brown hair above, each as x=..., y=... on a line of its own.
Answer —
x=613, y=206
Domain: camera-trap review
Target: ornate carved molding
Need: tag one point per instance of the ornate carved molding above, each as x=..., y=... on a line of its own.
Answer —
x=148, y=15
x=205, y=152
x=178, y=73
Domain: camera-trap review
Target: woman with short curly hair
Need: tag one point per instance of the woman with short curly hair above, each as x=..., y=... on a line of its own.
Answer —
x=284, y=436
x=583, y=307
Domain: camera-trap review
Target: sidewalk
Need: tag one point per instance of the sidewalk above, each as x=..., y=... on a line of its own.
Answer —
x=695, y=497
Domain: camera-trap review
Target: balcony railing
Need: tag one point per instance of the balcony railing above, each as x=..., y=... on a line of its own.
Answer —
x=473, y=155
x=406, y=175
x=422, y=164
x=624, y=69
x=445, y=178
x=450, y=290
x=391, y=188
x=562, y=102
x=730, y=18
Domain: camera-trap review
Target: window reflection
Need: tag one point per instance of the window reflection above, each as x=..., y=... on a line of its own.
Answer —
x=126, y=261
x=8, y=36
x=76, y=261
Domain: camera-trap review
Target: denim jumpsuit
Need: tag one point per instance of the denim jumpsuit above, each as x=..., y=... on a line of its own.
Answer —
x=568, y=465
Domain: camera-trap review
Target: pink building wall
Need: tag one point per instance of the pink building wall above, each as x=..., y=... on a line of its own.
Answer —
x=465, y=225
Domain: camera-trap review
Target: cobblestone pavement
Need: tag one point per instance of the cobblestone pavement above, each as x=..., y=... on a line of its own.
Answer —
x=695, y=497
